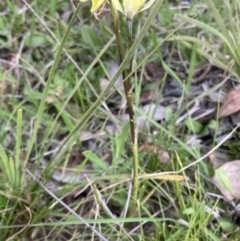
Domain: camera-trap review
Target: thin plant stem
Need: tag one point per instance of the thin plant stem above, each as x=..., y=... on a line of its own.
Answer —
x=80, y=123
x=128, y=93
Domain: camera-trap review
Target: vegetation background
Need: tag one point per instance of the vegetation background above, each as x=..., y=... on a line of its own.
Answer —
x=65, y=146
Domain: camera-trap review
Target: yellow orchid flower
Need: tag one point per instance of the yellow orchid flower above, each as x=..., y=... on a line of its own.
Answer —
x=131, y=7
x=96, y=4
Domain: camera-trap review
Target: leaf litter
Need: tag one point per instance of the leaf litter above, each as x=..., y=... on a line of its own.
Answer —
x=231, y=104
x=204, y=112
x=154, y=103
x=227, y=179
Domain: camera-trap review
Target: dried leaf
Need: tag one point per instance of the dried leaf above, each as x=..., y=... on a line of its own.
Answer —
x=222, y=178
x=218, y=158
x=112, y=69
x=153, y=72
x=227, y=180
x=231, y=104
x=166, y=177
x=162, y=154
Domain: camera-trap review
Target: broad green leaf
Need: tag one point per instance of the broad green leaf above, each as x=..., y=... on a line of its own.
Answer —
x=226, y=224
x=168, y=113
x=223, y=179
x=193, y=125
x=188, y=211
x=35, y=40
x=213, y=124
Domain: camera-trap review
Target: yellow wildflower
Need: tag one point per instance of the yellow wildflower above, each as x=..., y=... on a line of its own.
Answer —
x=96, y=4
x=131, y=7
x=128, y=7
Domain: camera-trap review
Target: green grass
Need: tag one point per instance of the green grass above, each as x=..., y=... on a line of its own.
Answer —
x=65, y=151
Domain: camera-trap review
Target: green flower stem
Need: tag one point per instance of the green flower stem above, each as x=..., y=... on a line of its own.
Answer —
x=126, y=74
x=80, y=123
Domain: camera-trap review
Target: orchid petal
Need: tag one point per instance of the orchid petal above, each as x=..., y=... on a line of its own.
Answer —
x=96, y=4
x=148, y=5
